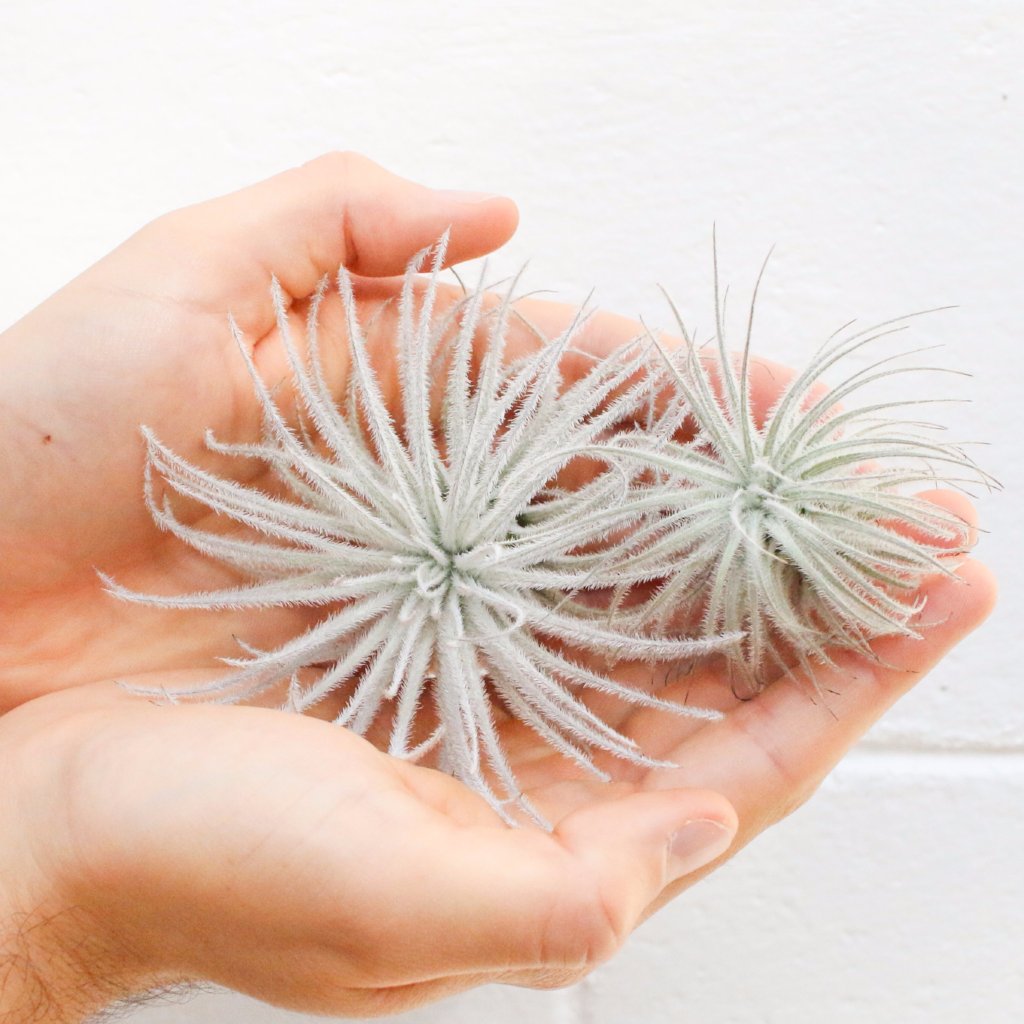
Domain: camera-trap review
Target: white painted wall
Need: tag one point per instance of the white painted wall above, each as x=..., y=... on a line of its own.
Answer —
x=878, y=144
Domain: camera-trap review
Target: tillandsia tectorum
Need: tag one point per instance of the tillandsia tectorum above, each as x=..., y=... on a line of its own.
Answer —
x=458, y=574
x=452, y=565
x=794, y=528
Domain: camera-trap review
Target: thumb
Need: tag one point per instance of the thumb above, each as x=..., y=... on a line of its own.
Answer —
x=636, y=846
x=547, y=908
x=340, y=209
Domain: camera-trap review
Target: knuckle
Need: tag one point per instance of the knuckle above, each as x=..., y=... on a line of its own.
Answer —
x=167, y=232
x=585, y=927
x=165, y=226
x=789, y=788
x=342, y=163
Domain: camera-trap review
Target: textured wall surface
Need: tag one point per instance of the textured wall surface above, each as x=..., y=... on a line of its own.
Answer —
x=879, y=146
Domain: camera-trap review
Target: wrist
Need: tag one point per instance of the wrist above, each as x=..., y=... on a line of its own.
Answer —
x=50, y=969
x=57, y=962
x=59, y=965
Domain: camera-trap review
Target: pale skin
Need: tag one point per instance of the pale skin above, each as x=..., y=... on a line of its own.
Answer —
x=280, y=855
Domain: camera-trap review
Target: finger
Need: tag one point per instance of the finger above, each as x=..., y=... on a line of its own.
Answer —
x=957, y=505
x=770, y=753
x=602, y=332
x=599, y=334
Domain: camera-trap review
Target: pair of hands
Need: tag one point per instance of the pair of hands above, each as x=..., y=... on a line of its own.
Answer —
x=278, y=855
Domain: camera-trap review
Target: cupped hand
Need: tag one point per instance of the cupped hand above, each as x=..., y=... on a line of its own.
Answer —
x=290, y=859
x=280, y=855
x=142, y=337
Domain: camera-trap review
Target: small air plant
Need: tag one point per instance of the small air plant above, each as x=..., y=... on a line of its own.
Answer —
x=453, y=567
x=794, y=529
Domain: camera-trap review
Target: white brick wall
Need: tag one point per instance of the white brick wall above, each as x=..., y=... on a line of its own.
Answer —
x=878, y=144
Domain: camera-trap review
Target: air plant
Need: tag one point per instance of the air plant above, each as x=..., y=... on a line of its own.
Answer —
x=456, y=570
x=452, y=566
x=794, y=529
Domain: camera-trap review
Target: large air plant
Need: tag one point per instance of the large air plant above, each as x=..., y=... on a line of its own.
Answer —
x=452, y=567
x=795, y=527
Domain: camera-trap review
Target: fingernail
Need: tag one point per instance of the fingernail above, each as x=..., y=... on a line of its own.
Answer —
x=466, y=197
x=696, y=844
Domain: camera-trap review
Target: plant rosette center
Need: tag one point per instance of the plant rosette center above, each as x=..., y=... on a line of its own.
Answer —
x=436, y=572
x=761, y=486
